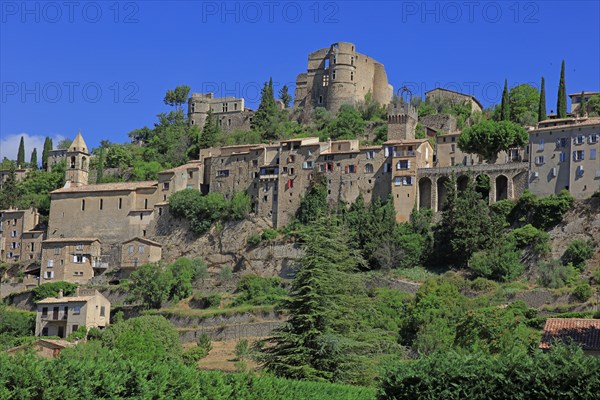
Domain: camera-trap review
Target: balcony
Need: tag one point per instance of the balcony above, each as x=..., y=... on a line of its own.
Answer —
x=99, y=265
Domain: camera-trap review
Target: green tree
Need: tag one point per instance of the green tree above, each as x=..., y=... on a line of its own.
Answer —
x=582, y=106
x=210, y=132
x=314, y=202
x=64, y=143
x=578, y=252
x=311, y=344
x=542, y=106
x=505, y=106
x=33, y=162
x=177, y=97
x=501, y=262
x=100, y=166
x=487, y=138
x=151, y=285
x=284, y=96
x=10, y=191
x=593, y=106
x=348, y=124
x=561, y=103
x=266, y=113
x=524, y=102
x=46, y=152
x=21, y=153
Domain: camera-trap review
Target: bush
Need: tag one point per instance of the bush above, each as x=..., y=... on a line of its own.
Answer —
x=269, y=234
x=212, y=300
x=543, y=213
x=582, y=292
x=94, y=334
x=225, y=274
x=51, y=290
x=79, y=334
x=502, y=262
x=242, y=350
x=554, y=275
x=257, y=290
x=240, y=206
x=528, y=235
x=596, y=275
x=483, y=285
x=198, y=352
x=578, y=252
x=254, y=240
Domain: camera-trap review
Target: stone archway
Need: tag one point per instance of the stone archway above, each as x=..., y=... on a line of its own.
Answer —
x=425, y=192
x=442, y=192
x=501, y=187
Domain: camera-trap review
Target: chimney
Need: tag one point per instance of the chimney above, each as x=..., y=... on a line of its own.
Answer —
x=60, y=294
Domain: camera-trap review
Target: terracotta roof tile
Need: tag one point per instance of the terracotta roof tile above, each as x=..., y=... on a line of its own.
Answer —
x=585, y=332
x=105, y=187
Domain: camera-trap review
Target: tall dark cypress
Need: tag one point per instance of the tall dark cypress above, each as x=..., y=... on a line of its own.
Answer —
x=34, y=162
x=21, y=154
x=561, y=104
x=46, y=152
x=505, y=108
x=582, y=105
x=542, y=107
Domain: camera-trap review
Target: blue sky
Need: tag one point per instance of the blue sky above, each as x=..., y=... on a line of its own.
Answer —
x=103, y=67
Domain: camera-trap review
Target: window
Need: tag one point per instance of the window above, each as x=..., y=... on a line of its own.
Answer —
x=308, y=165
x=223, y=173
x=76, y=310
x=120, y=203
x=50, y=263
x=44, y=312
x=13, y=234
x=101, y=204
x=224, y=107
x=102, y=311
x=579, y=170
x=333, y=75
x=78, y=258
x=141, y=249
x=592, y=154
x=579, y=139
x=403, y=164
x=594, y=138
x=563, y=156
x=130, y=249
x=66, y=312
x=75, y=327
x=320, y=99
x=79, y=247
x=145, y=204
x=165, y=185
x=541, y=146
x=453, y=147
x=49, y=275
x=350, y=169
x=82, y=205
x=564, y=142
x=44, y=331
x=539, y=160
x=78, y=273
x=387, y=167
x=351, y=75
x=370, y=155
x=369, y=168
x=255, y=163
x=403, y=181
x=578, y=155
x=190, y=174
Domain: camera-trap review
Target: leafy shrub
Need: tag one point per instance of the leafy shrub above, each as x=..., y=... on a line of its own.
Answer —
x=578, y=252
x=582, y=292
x=542, y=213
x=94, y=334
x=212, y=300
x=240, y=206
x=269, y=234
x=255, y=239
x=79, y=334
x=225, y=274
x=528, y=235
x=256, y=290
x=596, y=275
x=502, y=262
x=483, y=285
x=198, y=352
x=554, y=275
x=242, y=349
x=51, y=290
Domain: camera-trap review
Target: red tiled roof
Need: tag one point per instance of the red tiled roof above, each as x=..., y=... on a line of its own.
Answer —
x=585, y=332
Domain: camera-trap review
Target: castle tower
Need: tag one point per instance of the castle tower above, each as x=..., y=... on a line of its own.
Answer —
x=77, y=162
x=402, y=120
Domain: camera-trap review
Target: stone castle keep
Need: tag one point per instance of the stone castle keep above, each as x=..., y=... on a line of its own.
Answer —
x=96, y=227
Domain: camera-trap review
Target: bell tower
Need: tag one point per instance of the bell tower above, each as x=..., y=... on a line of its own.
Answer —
x=78, y=162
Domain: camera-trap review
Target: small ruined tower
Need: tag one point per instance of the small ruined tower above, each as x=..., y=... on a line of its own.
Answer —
x=77, y=163
x=402, y=117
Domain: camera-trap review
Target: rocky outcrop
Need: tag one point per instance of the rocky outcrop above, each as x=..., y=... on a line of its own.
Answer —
x=227, y=245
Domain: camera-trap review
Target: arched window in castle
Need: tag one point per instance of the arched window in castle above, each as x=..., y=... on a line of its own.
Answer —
x=351, y=60
x=82, y=205
x=369, y=168
x=351, y=75
x=325, y=80
x=73, y=161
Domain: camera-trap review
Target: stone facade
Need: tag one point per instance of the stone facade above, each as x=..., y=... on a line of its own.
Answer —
x=439, y=123
x=564, y=155
x=139, y=251
x=73, y=259
x=55, y=157
x=576, y=100
x=456, y=97
x=20, y=241
x=20, y=174
x=229, y=111
x=78, y=163
x=60, y=316
x=448, y=154
x=339, y=75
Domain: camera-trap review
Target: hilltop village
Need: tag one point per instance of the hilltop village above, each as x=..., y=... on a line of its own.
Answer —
x=93, y=228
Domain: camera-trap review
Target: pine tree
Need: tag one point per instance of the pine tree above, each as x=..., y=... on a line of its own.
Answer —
x=34, y=161
x=284, y=96
x=210, y=132
x=505, y=107
x=21, y=154
x=542, y=107
x=561, y=104
x=312, y=345
x=46, y=152
x=582, y=105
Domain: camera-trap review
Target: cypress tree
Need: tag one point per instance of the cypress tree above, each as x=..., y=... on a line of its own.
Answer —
x=582, y=106
x=21, y=154
x=561, y=104
x=266, y=113
x=542, y=107
x=505, y=108
x=210, y=132
x=34, y=161
x=10, y=190
x=100, y=166
x=284, y=96
x=46, y=152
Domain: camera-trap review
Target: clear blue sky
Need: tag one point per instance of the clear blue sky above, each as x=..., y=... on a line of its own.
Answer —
x=103, y=67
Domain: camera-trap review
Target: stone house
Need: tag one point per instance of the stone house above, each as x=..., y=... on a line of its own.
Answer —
x=453, y=97
x=580, y=331
x=229, y=112
x=576, y=100
x=20, y=240
x=47, y=348
x=71, y=259
x=338, y=75
x=60, y=316
x=55, y=156
x=448, y=154
x=138, y=251
x=564, y=155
